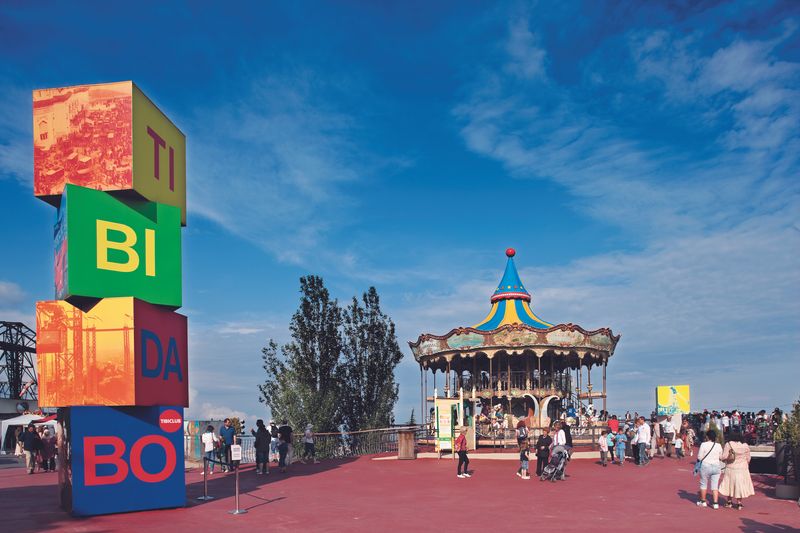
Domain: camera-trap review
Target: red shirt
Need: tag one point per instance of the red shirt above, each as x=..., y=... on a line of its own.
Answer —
x=613, y=425
x=461, y=443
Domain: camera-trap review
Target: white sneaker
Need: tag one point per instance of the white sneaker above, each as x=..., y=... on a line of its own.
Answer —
x=702, y=504
x=526, y=477
x=715, y=506
x=520, y=475
x=460, y=475
x=467, y=475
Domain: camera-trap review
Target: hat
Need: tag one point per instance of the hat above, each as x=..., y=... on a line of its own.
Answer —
x=309, y=426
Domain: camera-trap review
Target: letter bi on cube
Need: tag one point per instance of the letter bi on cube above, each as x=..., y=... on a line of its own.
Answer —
x=122, y=351
x=121, y=459
x=106, y=248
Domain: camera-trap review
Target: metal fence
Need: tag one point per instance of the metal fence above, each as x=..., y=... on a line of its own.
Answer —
x=327, y=445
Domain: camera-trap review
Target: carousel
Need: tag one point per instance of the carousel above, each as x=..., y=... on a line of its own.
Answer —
x=514, y=366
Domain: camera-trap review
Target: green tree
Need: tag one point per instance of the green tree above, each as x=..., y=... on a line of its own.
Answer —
x=371, y=354
x=302, y=382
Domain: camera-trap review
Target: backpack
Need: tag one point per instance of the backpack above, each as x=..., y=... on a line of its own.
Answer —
x=523, y=432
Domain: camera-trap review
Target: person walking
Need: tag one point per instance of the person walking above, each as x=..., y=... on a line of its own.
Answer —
x=523, y=471
x=603, y=443
x=643, y=441
x=227, y=435
x=619, y=443
x=210, y=444
x=309, y=452
x=284, y=447
x=261, y=444
x=30, y=445
x=274, y=441
x=461, y=450
x=48, y=451
x=543, y=445
x=710, y=468
x=611, y=440
x=18, y=449
x=736, y=483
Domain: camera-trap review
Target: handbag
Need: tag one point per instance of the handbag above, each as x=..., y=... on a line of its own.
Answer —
x=699, y=463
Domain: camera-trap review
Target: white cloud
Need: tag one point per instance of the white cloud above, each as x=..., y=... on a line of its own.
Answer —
x=526, y=58
x=16, y=144
x=273, y=165
x=10, y=293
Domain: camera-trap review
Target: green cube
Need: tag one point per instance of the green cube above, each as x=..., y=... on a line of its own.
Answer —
x=106, y=247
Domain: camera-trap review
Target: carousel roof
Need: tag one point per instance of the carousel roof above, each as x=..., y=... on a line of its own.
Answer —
x=512, y=325
x=511, y=302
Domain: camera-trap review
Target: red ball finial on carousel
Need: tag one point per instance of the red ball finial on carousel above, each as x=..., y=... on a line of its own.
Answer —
x=510, y=252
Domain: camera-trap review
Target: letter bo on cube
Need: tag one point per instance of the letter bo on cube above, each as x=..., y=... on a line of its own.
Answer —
x=109, y=137
x=120, y=459
x=121, y=352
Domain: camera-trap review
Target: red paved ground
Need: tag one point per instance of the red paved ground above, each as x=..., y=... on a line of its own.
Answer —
x=422, y=495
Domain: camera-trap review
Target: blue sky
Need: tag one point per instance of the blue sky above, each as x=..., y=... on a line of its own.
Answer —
x=642, y=159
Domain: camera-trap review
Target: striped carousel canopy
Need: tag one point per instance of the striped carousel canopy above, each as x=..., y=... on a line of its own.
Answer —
x=511, y=302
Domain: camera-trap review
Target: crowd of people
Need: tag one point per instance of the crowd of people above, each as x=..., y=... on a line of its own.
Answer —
x=272, y=444
x=722, y=458
x=38, y=446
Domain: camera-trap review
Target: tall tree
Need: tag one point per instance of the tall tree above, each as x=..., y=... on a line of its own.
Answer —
x=302, y=382
x=371, y=354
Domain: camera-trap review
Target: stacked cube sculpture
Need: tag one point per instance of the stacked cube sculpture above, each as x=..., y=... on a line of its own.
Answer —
x=112, y=351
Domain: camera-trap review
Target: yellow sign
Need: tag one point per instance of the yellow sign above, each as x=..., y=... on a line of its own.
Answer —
x=672, y=399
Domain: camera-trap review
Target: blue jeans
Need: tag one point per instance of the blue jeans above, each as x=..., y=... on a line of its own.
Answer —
x=273, y=447
x=643, y=459
x=210, y=457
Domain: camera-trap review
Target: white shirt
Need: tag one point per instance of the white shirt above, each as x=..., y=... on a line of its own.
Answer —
x=643, y=433
x=560, y=438
x=308, y=437
x=208, y=438
x=713, y=449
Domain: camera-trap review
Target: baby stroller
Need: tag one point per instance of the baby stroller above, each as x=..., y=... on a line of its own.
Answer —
x=555, y=468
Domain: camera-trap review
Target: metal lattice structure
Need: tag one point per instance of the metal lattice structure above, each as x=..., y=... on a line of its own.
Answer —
x=17, y=370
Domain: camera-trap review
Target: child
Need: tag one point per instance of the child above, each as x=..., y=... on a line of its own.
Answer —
x=620, y=441
x=523, y=461
x=543, y=444
x=679, y=444
x=603, y=442
x=611, y=441
x=461, y=450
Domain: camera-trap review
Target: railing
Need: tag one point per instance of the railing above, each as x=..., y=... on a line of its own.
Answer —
x=520, y=380
x=326, y=445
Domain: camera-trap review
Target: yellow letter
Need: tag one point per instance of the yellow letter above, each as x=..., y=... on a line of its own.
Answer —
x=126, y=246
x=149, y=252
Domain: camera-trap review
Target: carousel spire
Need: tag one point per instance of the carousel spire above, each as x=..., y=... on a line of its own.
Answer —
x=511, y=302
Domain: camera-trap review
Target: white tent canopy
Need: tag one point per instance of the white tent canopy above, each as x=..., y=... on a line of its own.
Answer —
x=22, y=420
